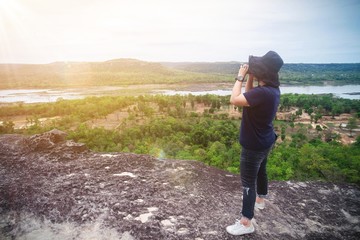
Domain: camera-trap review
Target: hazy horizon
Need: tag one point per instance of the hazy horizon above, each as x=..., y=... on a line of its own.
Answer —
x=238, y=61
x=314, y=32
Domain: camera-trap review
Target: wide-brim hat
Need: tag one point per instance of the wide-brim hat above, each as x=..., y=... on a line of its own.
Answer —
x=266, y=68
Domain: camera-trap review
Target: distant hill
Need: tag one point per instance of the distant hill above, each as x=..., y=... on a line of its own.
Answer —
x=60, y=74
x=131, y=71
x=110, y=73
x=205, y=67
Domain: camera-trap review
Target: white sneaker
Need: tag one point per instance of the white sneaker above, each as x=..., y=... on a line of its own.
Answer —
x=260, y=205
x=238, y=229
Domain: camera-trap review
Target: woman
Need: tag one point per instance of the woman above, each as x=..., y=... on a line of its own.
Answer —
x=257, y=134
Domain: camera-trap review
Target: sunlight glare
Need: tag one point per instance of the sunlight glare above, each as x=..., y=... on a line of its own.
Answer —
x=4, y=2
x=12, y=29
x=7, y=5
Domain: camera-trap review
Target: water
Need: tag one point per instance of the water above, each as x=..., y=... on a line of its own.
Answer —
x=51, y=95
x=35, y=95
x=345, y=91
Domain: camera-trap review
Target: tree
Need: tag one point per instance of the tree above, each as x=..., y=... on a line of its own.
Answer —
x=286, y=103
x=336, y=110
x=317, y=116
x=192, y=104
x=357, y=142
x=318, y=128
x=299, y=112
x=351, y=125
x=292, y=117
x=7, y=127
x=309, y=110
x=283, y=132
x=215, y=154
x=311, y=162
x=278, y=167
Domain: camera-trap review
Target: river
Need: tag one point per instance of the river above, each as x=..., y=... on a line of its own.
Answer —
x=51, y=95
x=345, y=91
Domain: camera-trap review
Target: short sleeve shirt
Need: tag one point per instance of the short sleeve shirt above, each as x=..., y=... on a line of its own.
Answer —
x=257, y=131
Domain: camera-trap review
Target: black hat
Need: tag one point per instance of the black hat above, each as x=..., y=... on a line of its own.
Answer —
x=266, y=68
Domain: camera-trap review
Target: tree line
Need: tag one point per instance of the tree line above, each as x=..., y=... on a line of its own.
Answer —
x=172, y=127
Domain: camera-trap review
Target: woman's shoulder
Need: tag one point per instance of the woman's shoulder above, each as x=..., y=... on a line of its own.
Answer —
x=268, y=91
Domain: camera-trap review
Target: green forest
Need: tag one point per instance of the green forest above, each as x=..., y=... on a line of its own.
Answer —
x=122, y=72
x=203, y=128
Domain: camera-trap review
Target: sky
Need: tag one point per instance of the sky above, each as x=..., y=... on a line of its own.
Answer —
x=301, y=31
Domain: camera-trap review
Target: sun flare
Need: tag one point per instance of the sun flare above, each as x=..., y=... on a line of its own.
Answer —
x=12, y=29
x=8, y=5
x=4, y=2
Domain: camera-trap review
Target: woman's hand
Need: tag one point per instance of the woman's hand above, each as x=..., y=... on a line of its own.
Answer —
x=243, y=70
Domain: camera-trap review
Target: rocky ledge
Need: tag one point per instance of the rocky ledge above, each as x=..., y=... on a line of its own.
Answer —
x=51, y=188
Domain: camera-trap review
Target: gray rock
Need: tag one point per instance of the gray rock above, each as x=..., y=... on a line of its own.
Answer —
x=46, y=140
x=52, y=190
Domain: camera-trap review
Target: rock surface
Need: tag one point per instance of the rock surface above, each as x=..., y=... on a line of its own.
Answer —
x=51, y=188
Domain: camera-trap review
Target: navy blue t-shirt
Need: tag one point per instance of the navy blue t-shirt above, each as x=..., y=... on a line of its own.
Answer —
x=257, y=131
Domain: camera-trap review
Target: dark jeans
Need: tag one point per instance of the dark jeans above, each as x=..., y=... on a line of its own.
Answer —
x=253, y=177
